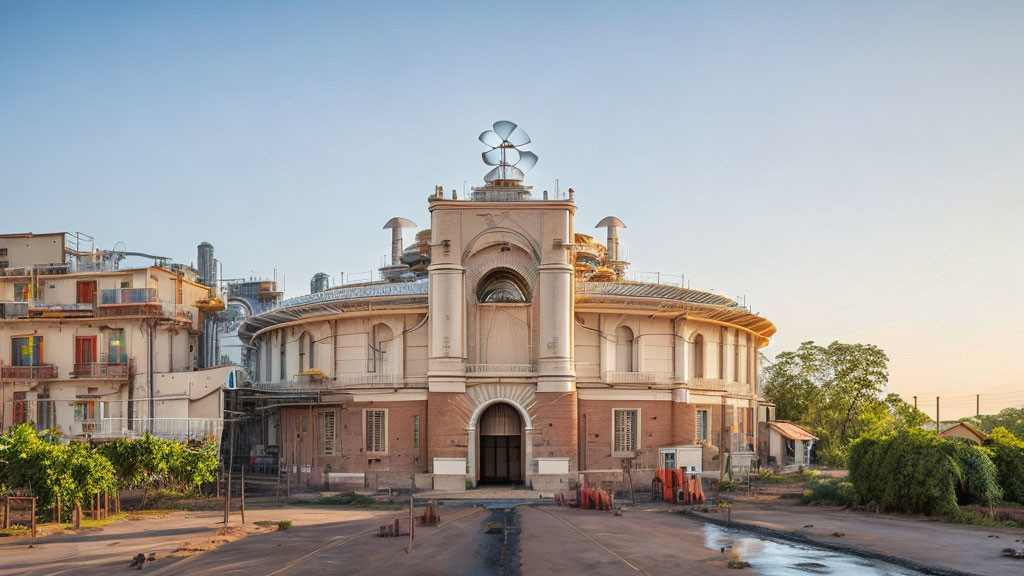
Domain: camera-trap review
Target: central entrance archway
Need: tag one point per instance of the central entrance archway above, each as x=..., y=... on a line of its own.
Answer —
x=501, y=453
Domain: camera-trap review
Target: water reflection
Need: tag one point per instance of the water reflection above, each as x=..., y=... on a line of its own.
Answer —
x=774, y=558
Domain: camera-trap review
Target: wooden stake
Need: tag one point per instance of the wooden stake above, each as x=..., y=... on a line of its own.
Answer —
x=412, y=523
x=243, y=494
x=33, y=518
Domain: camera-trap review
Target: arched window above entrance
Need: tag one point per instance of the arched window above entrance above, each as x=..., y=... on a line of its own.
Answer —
x=502, y=285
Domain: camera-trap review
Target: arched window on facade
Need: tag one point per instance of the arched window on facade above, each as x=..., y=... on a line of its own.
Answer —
x=381, y=337
x=502, y=285
x=698, y=356
x=305, y=352
x=623, y=349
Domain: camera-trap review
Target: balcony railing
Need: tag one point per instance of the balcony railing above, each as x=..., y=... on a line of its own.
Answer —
x=365, y=381
x=13, y=310
x=70, y=309
x=168, y=428
x=40, y=372
x=636, y=377
x=500, y=369
x=129, y=296
x=717, y=384
x=107, y=370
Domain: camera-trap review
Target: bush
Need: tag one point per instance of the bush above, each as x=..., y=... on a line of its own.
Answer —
x=917, y=472
x=830, y=492
x=152, y=462
x=284, y=524
x=68, y=472
x=1008, y=456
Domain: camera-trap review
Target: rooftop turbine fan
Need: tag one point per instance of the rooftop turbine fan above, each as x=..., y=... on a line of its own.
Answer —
x=510, y=163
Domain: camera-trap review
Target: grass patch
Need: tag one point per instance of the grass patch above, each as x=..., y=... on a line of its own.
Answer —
x=344, y=499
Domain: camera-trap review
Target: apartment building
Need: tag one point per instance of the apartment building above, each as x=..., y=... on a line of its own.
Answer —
x=97, y=349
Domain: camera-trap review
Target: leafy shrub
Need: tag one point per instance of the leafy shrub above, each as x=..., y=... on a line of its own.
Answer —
x=830, y=492
x=917, y=472
x=152, y=462
x=284, y=524
x=1008, y=456
x=68, y=472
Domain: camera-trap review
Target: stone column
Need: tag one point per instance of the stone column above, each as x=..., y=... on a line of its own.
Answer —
x=554, y=355
x=447, y=303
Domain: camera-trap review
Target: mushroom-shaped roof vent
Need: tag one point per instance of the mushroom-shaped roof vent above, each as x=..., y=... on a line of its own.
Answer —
x=610, y=222
x=397, y=222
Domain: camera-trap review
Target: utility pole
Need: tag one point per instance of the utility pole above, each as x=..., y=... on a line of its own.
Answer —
x=977, y=404
x=936, y=414
x=915, y=402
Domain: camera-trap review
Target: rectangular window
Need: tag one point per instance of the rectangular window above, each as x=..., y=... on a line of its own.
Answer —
x=20, y=407
x=3, y=251
x=21, y=291
x=116, y=349
x=325, y=423
x=736, y=356
x=721, y=353
x=27, y=351
x=626, y=430
x=85, y=411
x=702, y=425
x=376, y=430
x=44, y=411
x=4, y=264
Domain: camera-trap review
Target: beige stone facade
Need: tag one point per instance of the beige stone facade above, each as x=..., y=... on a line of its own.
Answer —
x=511, y=350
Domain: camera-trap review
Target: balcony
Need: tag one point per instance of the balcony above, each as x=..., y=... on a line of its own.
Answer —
x=40, y=372
x=12, y=310
x=73, y=310
x=129, y=296
x=719, y=385
x=636, y=378
x=366, y=381
x=501, y=370
x=104, y=370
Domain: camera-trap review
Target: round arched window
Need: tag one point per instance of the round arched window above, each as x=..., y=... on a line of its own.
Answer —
x=502, y=286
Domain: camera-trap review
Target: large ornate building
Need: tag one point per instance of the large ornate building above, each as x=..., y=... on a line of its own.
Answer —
x=502, y=345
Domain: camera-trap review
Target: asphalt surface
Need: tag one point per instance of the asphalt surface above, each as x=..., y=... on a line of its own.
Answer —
x=538, y=539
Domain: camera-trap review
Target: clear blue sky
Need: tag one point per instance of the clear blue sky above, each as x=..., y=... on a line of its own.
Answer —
x=854, y=169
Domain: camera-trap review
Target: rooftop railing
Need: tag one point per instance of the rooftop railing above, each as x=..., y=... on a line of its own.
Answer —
x=717, y=384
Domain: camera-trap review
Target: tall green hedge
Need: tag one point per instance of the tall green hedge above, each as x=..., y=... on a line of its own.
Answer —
x=70, y=472
x=917, y=472
x=1008, y=456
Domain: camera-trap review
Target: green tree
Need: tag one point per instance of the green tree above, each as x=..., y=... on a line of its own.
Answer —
x=1012, y=419
x=836, y=391
x=1008, y=455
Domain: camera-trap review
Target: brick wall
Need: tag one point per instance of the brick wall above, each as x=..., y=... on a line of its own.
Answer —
x=662, y=423
x=448, y=414
x=554, y=426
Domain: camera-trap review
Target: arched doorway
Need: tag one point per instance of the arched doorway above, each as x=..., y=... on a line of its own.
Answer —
x=501, y=444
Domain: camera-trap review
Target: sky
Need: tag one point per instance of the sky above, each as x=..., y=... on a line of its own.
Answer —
x=853, y=170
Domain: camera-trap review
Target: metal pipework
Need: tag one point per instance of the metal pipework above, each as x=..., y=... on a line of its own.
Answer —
x=396, y=224
x=612, y=224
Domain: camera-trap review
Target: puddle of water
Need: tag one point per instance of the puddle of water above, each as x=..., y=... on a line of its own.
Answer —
x=775, y=558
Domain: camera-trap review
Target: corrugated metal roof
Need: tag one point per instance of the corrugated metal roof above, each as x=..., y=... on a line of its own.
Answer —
x=792, y=431
x=644, y=290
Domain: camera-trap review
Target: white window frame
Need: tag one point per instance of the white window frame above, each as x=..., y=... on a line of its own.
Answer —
x=366, y=438
x=639, y=419
x=322, y=435
x=707, y=425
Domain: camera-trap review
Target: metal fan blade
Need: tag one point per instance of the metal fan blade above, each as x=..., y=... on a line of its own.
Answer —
x=511, y=156
x=518, y=137
x=503, y=128
x=490, y=138
x=492, y=157
x=512, y=173
x=493, y=175
x=527, y=160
